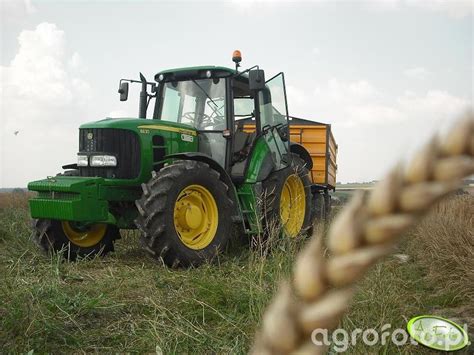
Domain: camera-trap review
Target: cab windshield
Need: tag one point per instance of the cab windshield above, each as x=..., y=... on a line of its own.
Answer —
x=199, y=103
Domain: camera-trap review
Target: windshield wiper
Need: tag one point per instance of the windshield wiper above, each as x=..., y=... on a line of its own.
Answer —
x=207, y=95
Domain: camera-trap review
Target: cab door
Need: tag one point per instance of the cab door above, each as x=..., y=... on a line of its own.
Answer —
x=274, y=123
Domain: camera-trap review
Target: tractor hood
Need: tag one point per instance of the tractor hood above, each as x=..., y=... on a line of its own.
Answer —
x=140, y=124
x=134, y=146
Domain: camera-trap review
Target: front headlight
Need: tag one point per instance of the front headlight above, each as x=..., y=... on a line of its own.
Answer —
x=82, y=160
x=103, y=160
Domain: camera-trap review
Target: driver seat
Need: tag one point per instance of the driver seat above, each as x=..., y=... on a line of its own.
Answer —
x=243, y=142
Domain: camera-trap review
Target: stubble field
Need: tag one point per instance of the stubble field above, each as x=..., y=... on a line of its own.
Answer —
x=127, y=302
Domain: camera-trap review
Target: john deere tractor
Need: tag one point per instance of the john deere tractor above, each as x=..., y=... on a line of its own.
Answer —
x=187, y=176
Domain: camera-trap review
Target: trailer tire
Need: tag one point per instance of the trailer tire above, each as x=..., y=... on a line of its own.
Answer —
x=273, y=190
x=327, y=205
x=52, y=236
x=185, y=214
x=321, y=206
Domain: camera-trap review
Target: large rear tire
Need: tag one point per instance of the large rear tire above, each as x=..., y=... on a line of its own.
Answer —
x=73, y=240
x=287, y=199
x=185, y=214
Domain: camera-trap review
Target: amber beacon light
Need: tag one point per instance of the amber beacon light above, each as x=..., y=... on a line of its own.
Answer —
x=236, y=58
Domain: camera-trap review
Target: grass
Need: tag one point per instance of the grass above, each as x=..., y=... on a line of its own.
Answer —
x=126, y=302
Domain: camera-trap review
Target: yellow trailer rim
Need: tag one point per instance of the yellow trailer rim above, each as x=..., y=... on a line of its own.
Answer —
x=196, y=217
x=86, y=237
x=292, y=205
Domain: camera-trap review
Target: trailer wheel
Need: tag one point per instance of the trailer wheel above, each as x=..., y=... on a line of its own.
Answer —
x=321, y=206
x=327, y=204
x=185, y=214
x=74, y=240
x=287, y=199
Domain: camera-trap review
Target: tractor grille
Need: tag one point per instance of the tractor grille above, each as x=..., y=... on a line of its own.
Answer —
x=122, y=143
x=56, y=195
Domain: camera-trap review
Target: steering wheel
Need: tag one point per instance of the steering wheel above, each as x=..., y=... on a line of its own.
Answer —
x=206, y=120
x=188, y=116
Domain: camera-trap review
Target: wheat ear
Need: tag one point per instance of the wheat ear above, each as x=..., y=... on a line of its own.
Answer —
x=364, y=231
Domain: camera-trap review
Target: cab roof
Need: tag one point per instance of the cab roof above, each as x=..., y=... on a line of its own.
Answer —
x=198, y=68
x=200, y=72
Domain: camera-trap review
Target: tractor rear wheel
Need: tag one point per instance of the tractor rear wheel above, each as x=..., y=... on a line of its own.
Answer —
x=185, y=214
x=73, y=239
x=287, y=199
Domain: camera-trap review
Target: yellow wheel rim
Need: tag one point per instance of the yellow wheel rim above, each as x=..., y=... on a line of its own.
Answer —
x=196, y=217
x=84, y=237
x=292, y=205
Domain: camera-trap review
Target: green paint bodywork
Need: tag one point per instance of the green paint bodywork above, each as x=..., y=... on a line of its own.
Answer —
x=247, y=192
x=249, y=208
x=259, y=153
x=90, y=199
x=69, y=198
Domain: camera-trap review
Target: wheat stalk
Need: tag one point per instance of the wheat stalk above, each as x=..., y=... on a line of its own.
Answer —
x=366, y=230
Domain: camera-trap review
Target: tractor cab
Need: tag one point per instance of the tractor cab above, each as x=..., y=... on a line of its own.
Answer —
x=218, y=103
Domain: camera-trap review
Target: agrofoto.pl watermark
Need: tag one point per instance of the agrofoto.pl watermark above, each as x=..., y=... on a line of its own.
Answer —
x=431, y=331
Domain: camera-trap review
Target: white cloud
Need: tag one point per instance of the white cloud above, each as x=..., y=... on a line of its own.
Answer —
x=18, y=8
x=383, y=5
x=453, y=8
x=374, y=127
x=352, y=102
x=30, y=8
x=75, y=63
x=417, y=73
x=42, y=97
x=38, y=73
x=357, y=102
x=247, y=4
x=435, y=105
x=355, y=91
x=15, y=11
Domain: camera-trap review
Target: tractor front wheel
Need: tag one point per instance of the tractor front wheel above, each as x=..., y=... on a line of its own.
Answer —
x=185, y=214
x=73, y=239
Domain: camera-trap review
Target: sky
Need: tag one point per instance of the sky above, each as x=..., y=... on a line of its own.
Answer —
x=385, y=74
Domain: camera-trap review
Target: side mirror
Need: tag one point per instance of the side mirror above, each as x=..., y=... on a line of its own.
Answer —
x=123, y=91
x=256, y=79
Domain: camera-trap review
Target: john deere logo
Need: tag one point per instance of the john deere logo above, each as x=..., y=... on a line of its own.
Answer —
x=90, y=135
x=437, y=333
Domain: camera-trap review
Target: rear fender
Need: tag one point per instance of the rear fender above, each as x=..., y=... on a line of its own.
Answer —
x=301, y=151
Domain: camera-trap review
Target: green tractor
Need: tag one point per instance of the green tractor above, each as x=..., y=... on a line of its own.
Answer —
x=188, y=177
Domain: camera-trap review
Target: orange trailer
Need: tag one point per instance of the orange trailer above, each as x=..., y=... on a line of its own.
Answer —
x=319, y=141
